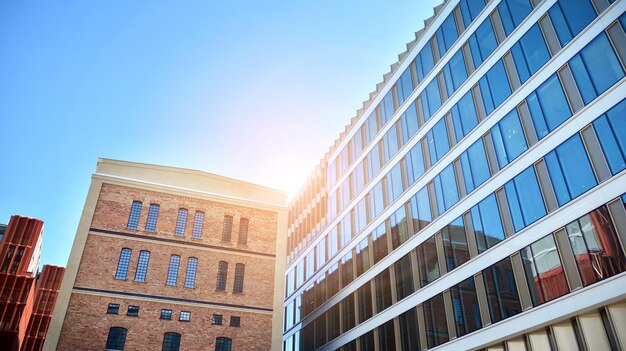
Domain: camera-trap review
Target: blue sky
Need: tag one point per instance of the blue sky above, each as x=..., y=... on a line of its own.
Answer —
x=255, y=90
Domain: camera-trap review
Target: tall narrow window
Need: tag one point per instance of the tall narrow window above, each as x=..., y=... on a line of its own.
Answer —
x=544, y=273
x=153, y=214
x=222, y=274
x=239, y=273
x=243, y=231
x=223, y=344
x=524, y=199
x=122, y=264
x=181, y=222
x=227, y=228
x=435, y=320
x=610, y=129
x=133, y=218
x=465, y=307
x=116, y=339
x=501, y=290
x=172, y=272
x=190, y=277
x=171, y=342
x=455, y=247
x=198, y=222
x=508, y=138
x=142, y=266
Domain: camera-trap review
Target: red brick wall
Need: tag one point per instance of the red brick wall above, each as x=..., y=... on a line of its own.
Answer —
x=87, y=325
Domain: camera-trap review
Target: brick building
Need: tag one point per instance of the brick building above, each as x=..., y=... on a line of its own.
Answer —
x=168, y=258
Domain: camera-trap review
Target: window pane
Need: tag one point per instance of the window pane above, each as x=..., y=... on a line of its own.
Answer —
x=482, y=42
x=399, y=229
x=390, y=143
x=427, y=261
x=415, y=163
x=525, y=199
x=190, y=276
x=487, y=223
x=455, y=72
x=465, y=307
x=548, y=106
x=405, y=85
x=494, y=87
x=153, y=214
x=365, y=302
x=464, y=116
x=508, y=138
x=181, y=222
x=570, y=17
x=455, y=246
x=513, y=12
x=438, y=144
x=122, y=264
x=373, y=162
x=420, y=209
x=116, y=339
x=404, y=277
x=382, y=282
x=135, y=212
x=446, y=35
x=596, y=246
x=445, y=189
x=379, y=242
x=222, y=273
x=596, y=68
x=386, y=337
x=227, y=228
x=142, y=266
x=347, y=270
x=376, y=200
x=435, y=321
x=347, y=305
x=570, y=170
x=544, y=273
x=386, y=108
x=610, y=130
x=172, y=272
x=198, y=222
x=243, y=231
x=171, y=342
x=470, y=9
x=362, y=257
x=409, y=123
x=475, y=166
x=501, y=291
x=431, y=99
x=409, y=332
x=530, y=53
x=424, y=61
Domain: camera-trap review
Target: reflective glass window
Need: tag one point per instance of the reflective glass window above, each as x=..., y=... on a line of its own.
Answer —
x=404, y=85
x=610, y=128
x=596, y=246
x=377, y=204
x=424, y=61
x=420, y=209
x=530, y=53
x=524, y=199
x=409, y=123
x=373, y=162
x=382, y=282
x=501, y=290
x=431, y=99
x=494, y=87
x=446, y=190
x=570, y=17
x=386, y=337
x=360, y=216
x=435, y=321
x=544, y=273
x=362, y=256
x=348, y=315
x=455, y=72
x=548, y=106
x=399, y=228
x=483, y=42
x=487, y=223
x=357, y=144
x=446, y=34
x=465, y=307
x=464, y=117
x=470, y=9
x=364, y=294
x=415, y=163
x=427, y=261
x=455, y=246
x=570, y=170
x=347, y=270
x=379, y=243
x=371, y=127
x=438, y=144
x=508, y=138
x=404, y=277
x=409, y=332
x=475, y=166
x=358, y=175
x=386, y=108
x=513, y=12
x=333, y=279
x=390, y=144
x=596, y=68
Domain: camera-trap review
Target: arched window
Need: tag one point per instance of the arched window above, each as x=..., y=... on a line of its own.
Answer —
x=122, y=264
x=172, y=272
x=227, y=228
x=223, y=344
x=142, y=266
x=116, y=339
x=181, y=222
x=135, y=212
x=198, y=222
x=222, y=273
x=243, y=231
x=239, y=271
x=153, y=215
x=171, y=342
x=190, y=277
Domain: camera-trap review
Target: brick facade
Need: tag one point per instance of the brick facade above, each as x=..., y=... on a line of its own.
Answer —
x=85, y=322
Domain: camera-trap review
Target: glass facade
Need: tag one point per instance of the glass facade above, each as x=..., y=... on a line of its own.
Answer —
x=481, y=147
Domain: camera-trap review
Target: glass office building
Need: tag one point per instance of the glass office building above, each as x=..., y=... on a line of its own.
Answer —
x=476, y=200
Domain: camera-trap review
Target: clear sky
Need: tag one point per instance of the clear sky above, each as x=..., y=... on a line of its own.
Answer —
x=255, y=90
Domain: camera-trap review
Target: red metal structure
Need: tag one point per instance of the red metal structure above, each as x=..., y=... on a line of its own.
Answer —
x=19, y=260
